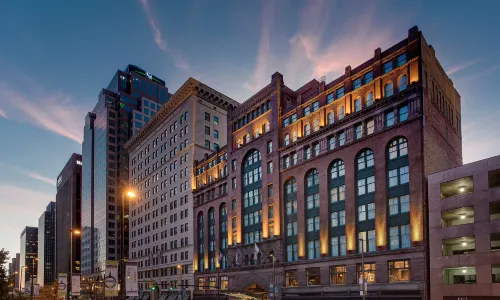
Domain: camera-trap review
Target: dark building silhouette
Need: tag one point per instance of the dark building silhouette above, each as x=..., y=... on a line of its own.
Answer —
x=68, y=215
x=29, y=253
x=46, y=245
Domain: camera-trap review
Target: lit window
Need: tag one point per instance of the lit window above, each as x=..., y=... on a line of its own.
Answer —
x=316, y=125
x=337, y=194
x=287, y=139
x=397, y=148
x=337, y=170
x=338, y=274
x=294, y=136
x=370, y=127
x=365, y=159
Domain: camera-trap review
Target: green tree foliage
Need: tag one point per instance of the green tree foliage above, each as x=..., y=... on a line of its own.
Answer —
x=6, y=286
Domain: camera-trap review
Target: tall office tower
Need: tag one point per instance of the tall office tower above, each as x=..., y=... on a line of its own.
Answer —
x=29, y=253
x=320, y=175
x=68, y=216
x=46, y=245
x=189, y=127
x=129, y=101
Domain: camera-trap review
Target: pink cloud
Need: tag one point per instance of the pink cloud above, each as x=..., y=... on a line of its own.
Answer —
x=42, y=178
x=261, y=73
x=54, y=112
x=21, y=207
x=179, y=62
x=460, y=67
x=3, y=114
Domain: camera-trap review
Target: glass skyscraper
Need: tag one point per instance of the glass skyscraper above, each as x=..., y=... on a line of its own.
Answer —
x=131, y=99
x=46, y=245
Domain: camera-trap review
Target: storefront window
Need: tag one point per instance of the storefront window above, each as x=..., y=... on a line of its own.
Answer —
x=399, y=271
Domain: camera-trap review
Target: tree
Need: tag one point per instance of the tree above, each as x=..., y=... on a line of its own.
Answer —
x=49, y=292
x=6, y=291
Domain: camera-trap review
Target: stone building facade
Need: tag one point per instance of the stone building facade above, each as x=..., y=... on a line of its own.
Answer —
x=320, y=174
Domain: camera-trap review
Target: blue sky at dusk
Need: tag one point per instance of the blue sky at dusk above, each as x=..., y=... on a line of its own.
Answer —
x=56, y=56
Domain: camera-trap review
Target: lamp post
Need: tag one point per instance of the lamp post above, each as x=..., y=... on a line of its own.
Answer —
x=130, y=195
x=363, y=269
x=182, y=285
x=70, y=273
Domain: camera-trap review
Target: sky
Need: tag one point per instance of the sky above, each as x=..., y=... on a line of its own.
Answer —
x=56, y=56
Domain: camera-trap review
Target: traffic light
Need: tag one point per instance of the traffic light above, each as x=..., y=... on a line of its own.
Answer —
x=70, y=293
x=153, y=288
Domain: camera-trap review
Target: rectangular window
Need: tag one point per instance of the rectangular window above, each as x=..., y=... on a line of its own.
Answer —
x=338, y=275
x=340, y=92
x=399, y=271
x=270, y=211
x=269, y=167
x=368, y=77
x=366, y=241
x=315, y=106
x=233, y=204
x=216, y=134
x=313, y=276
x=313, y=249
x=307, y=111
x=389, y=119
x=370, y=127
x=357, y=83
x=233, y=164
x=216, y=146
x=313, y=201
x=216, y=120
x=313, y=224
x=233, y=182
x=401, y=60
x=403, y=113
x=291, y=228
x=338, y=245
x=270, y=191
x=331, y=143
x=337, y=194
x=387, y=67
x=341, y=139
x=359, y=131
x=269, y=147
x=399, y=237
x=329, y=98
x=368, y=273
x=337, y=218
x=207, y=144
x=207, y=130
x=307, y=152
x=207, y=117
x=292, y=253
x=291, y=277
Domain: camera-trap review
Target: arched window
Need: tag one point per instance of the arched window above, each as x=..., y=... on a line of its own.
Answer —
x=211, y=239
x=257, y=133
x=398, y=178
x=307, y=129
x=331, y=118
x=388, y=89
x=201, y=242
x=286, y=141
x=357, y=104
x=341, y=113
x=247, y=138
x=252, y=197
x=223, y=233
x=290, y=188
x=369, y=99
x=365, y=159
x=312, y=216
x=238, y=143
x=294, y=136
x=337, y=170
x=398, y=147
x=316, y=125
x=402, y=83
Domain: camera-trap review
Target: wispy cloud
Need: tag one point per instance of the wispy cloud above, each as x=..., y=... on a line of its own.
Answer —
x=315, y=51
x=52, y=111
x=42, y=178
x=460, y=67
x=20, y=207
x=3, y=114
x=160, y=41
x=260, y=75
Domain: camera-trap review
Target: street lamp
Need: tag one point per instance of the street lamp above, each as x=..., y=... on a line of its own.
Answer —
x=182, y=285
x=70, y=273
x=130, y=194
